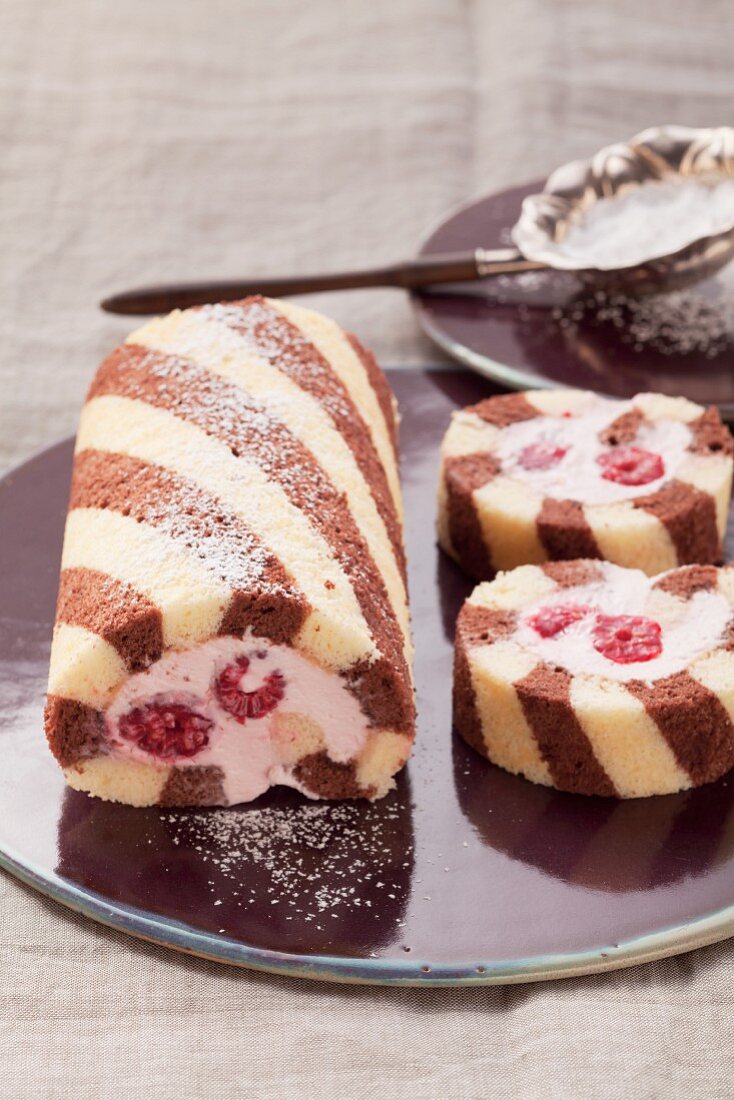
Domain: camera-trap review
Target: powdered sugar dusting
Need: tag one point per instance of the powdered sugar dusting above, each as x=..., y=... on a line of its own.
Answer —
x=228, y=413
x=205, y=526
x=676, y=323
x=271, y=336
x=312, y=861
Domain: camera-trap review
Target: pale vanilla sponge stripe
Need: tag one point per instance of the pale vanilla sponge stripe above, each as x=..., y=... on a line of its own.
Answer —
x=514, y=590
x=143, y=784
x=189, y=595
x=711, y=474
x=335, y=633
x=223, y=351
x=119, y=780
x=384, y=754
x=556, y=402
x=664, y=607
x=656, y=406
x=495, y=669
x=725, y=583
x=331, y=341
x=468, y=434
x=508, y=515
x=631, y=537
x=84, y=666
x=716, y=672
x=625, y=739
x=442, y=516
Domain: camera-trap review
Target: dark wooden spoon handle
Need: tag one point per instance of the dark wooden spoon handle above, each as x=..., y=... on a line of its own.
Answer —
x=423, y=271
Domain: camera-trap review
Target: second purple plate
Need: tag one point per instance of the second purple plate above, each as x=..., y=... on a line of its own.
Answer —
x=546, y=329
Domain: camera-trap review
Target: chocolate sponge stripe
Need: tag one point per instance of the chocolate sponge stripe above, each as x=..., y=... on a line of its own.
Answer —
x=114, y=610
x=564, y=530
x=693, y=721
x=358, y=370
x=505, y=409
x=381, y=386
x=264, y=596
x=225, y=412
x=710, y=436
x=688, y=580
x=467, y=720
x=689, y=517
x=195, y=785
x=328, y=779
x=570, y=574
x=476, y=626
x=479, y=626
x=624, y=429
x=463, y=475
x=74, y=730
x=160, y=438
x=545, y=697
x=273, y=336
x=244, y=363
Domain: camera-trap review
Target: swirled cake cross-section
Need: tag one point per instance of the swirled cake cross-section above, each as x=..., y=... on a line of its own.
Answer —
x=600, y=680
x=554, y=475
x=232, y=609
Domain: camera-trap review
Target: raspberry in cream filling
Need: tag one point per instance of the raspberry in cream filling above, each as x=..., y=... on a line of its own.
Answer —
x=541, y=456
x=621, y=627
x=551, y=620
x=566, y=456
x=250, y=708
x=627, y=639
x=631, y=466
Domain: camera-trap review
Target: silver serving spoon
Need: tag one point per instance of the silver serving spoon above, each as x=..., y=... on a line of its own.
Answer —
x=543, y=237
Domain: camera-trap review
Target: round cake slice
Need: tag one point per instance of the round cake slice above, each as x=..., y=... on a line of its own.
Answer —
x=553, y=475
x=600, y=680
x=232, y=608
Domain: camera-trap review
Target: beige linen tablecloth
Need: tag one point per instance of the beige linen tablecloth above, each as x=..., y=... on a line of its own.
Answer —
x=151, y=140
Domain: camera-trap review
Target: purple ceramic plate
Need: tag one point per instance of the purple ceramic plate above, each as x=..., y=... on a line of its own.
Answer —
x=547, y=329
x=463, y=875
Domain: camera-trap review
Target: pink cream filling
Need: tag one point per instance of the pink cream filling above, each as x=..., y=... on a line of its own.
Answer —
x=176, y=712
x=563, y=456
x=585, y=629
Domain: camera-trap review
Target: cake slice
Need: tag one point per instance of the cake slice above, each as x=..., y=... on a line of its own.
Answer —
x=600, y=680
x=232, y=609
x=552, y=475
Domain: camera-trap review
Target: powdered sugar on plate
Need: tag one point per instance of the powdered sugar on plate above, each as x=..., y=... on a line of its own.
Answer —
x=312, y=861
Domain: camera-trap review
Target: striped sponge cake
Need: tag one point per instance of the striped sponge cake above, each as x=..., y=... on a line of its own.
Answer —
x=596, y=679
x=232, y=610
x=552, y=475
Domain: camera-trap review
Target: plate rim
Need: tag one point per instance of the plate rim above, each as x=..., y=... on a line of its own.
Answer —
x=166, y=932
x=175, y=935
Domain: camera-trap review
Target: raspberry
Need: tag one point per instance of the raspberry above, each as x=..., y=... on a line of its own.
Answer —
x=248, y=704
x=541, y=456
x=166, y=730
x=627, y=638
x=550, y=621
x=631, y=465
